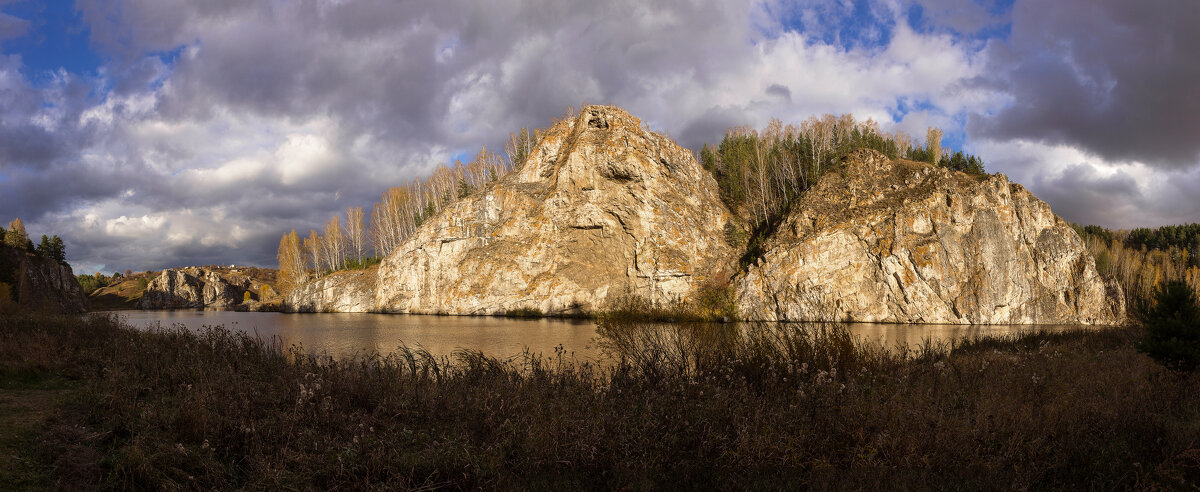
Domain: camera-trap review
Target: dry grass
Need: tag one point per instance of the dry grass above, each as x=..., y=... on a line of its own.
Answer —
x=682, y=406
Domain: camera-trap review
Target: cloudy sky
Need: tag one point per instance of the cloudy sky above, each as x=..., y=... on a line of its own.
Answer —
x=157, y=133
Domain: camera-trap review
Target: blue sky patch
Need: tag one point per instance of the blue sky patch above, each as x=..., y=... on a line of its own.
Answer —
x=56, y=38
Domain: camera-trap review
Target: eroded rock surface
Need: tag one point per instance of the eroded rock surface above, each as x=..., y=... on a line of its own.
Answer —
x=601, y=206
x=908, y=242
x=341, y=292
x=195, y=287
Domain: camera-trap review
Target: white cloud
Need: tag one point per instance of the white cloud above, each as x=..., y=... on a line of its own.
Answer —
x=277, y=114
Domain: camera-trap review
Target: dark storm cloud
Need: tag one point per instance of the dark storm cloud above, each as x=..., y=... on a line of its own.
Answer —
x=1083, y=195
x=780, y=91
x=714, y=121
x=1114, y=77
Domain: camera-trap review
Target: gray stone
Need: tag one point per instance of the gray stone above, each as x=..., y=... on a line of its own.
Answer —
x=194, y=287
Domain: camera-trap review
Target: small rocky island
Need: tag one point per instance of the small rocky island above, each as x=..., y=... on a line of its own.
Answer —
x=604, y=207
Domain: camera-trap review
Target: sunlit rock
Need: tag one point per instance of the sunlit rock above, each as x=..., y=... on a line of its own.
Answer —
x=907, y=242
x=601, y=207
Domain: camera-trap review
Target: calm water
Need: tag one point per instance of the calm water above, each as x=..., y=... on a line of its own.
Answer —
x=343, y=334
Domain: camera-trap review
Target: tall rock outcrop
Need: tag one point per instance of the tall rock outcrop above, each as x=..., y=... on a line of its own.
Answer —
x=195, y=287
x=40, y=283
x=601, y=207
x=900, y=241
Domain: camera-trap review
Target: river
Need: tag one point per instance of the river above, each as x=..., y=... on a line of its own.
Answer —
x=342, y=334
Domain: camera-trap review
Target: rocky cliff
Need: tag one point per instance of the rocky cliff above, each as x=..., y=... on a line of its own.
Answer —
x=601, y=206
x=40, y=283
x=907, y=242
x=341, y=292
x=195, y=287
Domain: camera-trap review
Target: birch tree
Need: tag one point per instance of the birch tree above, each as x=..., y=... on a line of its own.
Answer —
x=291, y=263
x=356, y=233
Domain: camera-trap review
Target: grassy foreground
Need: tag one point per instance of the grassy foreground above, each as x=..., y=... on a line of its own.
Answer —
x=89, y=403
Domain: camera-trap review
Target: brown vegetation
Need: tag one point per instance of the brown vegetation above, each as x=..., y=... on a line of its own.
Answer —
x=1141, y=270
x=681, y=406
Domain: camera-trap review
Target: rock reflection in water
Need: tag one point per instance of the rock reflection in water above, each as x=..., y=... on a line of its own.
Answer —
x=341, y=334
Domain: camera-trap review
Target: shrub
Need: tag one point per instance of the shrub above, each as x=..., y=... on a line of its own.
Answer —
x=362, y=263
x=1172, y=327
x=246, y=296
x=735, y=236
x=525, y=313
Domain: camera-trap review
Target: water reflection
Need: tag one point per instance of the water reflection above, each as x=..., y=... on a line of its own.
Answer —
x=344, y=334
x=341, y=334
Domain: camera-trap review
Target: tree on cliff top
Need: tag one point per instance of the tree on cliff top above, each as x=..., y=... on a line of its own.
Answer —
x=52, y=248
x=291, y=263
x=16, y=236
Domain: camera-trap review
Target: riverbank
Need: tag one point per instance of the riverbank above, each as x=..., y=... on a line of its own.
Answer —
x=692, y=405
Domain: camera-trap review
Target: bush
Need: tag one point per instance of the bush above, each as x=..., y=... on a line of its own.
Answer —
x=1172, y=327
x=525, y=312
x=362, y=263
x=735, y=236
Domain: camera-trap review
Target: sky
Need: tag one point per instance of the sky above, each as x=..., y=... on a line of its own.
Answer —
x=159, y=133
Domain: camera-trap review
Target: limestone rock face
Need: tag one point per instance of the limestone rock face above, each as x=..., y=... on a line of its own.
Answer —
x=340, y=292
x=907, y=242
x=41, y=283
x=194, y=287
x=601, y=207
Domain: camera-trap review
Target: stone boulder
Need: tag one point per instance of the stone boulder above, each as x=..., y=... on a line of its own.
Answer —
x=907, y=242
x=601, y=207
